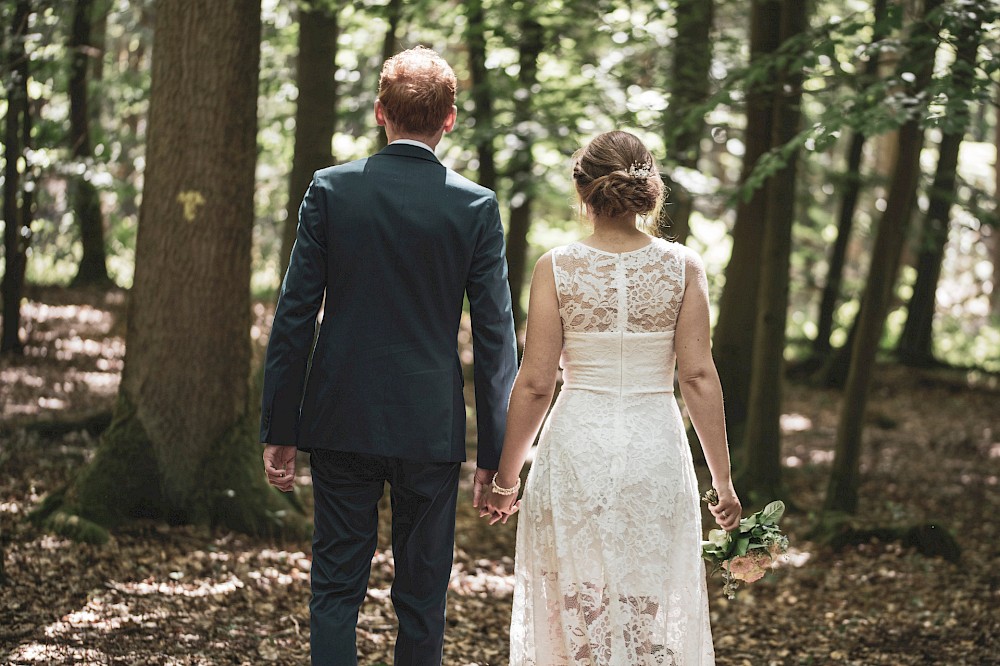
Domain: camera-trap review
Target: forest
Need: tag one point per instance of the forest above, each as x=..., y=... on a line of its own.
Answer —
x=834, y=162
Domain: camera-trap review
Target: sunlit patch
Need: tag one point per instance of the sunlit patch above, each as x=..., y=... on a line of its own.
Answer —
x=10, y=507
x=793, y=461
x=102, y=617
x=820, y=457
x=52, y=654
x=792, y=558
x=489, y=578
x=995, y=450
x=202, y=587
x=49, y=542
x=795, y=423
x=51, y=403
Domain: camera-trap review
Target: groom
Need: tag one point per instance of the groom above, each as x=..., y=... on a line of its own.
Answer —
x=393, y=242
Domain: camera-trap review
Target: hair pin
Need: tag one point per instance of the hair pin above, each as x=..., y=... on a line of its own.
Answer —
x=640, y=170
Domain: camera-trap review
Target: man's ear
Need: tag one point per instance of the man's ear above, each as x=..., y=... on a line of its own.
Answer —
x=449, y=122
x=379, y=113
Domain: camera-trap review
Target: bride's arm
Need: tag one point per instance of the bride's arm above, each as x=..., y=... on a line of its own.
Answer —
x=702, y=391
x=535, y=383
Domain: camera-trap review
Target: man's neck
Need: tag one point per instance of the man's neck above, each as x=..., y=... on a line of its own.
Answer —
x=429, y=141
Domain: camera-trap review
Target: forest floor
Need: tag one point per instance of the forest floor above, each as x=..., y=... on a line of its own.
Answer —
x=157, y=594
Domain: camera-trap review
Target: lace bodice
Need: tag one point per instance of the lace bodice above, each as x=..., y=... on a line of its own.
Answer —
x=636, y=292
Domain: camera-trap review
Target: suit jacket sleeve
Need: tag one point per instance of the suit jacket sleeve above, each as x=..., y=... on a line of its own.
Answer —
x=293, y=330
x=493, y=342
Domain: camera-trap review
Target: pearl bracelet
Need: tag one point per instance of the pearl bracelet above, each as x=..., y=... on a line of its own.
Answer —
x=505, y=491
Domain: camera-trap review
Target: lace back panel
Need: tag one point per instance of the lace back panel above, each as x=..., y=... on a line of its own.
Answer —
x=634, y=292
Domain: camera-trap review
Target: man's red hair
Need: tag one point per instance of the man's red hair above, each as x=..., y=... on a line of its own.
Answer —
x=417, y=91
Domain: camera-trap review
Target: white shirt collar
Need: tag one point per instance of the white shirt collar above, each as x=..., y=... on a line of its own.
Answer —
x=413, y=142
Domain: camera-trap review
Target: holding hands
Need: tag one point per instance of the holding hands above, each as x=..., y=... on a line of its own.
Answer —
x=495, y=501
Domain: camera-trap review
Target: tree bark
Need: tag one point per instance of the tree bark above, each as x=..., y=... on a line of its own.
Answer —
x=522, y=162
x=315, y=108
x=761, y=475
x=86, y=200
x=732, y=343
x=17, y=200
x=394, y=15
x=848, y=205
x=181, y=446
x=690, y=70
x=482, y=93
x=916, y=343
x=842, y=492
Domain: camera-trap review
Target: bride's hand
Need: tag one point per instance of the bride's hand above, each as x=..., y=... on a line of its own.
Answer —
x=727, y=511
x=499, y=507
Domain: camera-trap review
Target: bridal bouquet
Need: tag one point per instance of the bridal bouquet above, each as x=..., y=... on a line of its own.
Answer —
x=746, y=553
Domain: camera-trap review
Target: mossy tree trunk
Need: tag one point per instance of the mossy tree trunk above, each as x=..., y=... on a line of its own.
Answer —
x=842, y=492
x=522, y=162
x=181, y=446
x=315, y=108
x=18, y=200
x=732, y=342
x=684, y=124
x=86, y=200
x=760, y=478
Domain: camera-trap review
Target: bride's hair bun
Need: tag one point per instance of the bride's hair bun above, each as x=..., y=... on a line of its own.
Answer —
x=616, y=175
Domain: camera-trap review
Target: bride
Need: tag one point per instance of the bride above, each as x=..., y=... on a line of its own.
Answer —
x=608, y=569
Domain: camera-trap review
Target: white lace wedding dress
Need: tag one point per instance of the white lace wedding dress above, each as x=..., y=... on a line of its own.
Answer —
x=608, y=569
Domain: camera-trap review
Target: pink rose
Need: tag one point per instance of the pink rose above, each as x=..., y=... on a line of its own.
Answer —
x=751, y=567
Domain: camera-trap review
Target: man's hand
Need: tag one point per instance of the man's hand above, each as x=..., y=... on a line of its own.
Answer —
x=279, y=465
x=481, y=486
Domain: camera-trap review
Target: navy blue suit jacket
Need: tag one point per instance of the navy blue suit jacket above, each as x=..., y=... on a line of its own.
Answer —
x=394, y=242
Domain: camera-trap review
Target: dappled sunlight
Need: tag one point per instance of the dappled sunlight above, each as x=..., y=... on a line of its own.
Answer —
x=795, y=423
x=196, y=588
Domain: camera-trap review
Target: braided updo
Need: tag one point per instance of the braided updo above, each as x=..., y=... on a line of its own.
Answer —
x=616, y=175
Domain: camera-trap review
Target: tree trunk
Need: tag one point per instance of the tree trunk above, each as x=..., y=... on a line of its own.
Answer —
x=761, y=477
x=732, y=343
x=842, y=492
x=17, y=200
x=86, y=201
x=916, y=343
x=394, y=14
x=482, y=93
x=181, y=446
x=521, y=162
x=848, y=204
x=315, y=108
x=995, y=295
x=683, y=130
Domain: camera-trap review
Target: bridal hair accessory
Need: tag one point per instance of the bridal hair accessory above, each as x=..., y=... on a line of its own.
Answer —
x=746, y=553
x=499, y=490
x=640, y=171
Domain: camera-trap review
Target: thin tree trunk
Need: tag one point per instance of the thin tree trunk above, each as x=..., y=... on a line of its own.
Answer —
x=522, y=162
x=86, y=201
x=181, y=444
x=315, y=108
x=732, y=343
x=394, y=15
x=995, y=296
x=692, y=60
x=762, y=439
x=482, y=92
x=17, y=200
x=848, y=205
x=842, y=492
x=916, y=343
